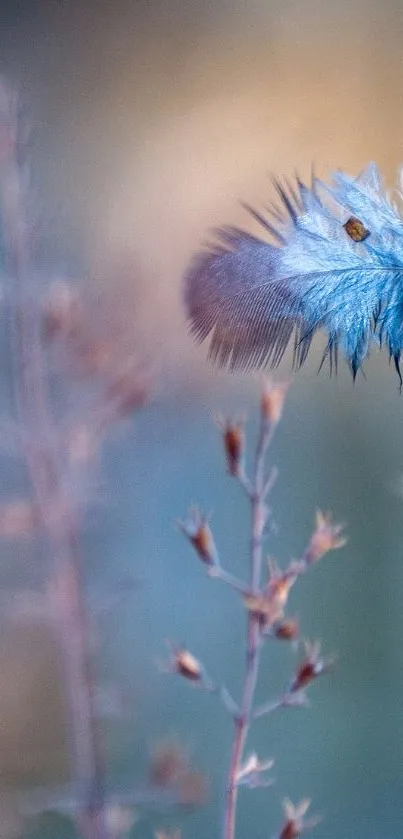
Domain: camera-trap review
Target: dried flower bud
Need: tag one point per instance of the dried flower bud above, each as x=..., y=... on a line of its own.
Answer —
x=269, y=605
x=252, y=772
x=197, y=530
x=295, y=823
x=310, y=668
x=170, y=770
x=325, y=538
x=278, y=589
x=168, y=763
x=264, y=608
x=272, y=402
x=279, y=584
x=188, y=666
x=18, y=519
x=286, y=630
x=234, y=445
x=181, y=661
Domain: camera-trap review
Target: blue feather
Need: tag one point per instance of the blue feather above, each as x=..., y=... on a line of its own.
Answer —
x=336, y=265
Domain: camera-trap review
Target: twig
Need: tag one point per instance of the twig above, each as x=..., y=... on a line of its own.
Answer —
x=265, y=605
x=218, y=573
x=298, y=700
x=242, y=722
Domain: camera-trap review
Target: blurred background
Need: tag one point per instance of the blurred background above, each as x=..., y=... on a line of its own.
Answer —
x=152, y=121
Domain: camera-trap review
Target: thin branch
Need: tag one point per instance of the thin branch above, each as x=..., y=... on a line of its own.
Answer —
x=270, y=481
x=218, y=573
x=244, y=482
x=298, y=700
x=228, y=702
x=268, y=708
x=242, y=722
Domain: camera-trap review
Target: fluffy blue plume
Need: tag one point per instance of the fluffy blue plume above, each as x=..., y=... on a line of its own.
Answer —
x=336, y=264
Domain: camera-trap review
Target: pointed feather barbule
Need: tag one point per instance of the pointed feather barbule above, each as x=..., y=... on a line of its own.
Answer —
x=251, y=297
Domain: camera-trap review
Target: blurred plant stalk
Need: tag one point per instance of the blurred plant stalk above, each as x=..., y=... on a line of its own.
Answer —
x=56, y=510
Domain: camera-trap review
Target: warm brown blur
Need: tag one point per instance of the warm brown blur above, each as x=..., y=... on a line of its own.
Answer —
x=166, y=115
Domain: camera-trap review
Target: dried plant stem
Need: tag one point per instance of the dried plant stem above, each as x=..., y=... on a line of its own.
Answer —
x=242, y=721
x=265, y=605
x=44, y=458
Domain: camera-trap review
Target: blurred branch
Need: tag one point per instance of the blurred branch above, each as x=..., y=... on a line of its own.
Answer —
x=47, y=454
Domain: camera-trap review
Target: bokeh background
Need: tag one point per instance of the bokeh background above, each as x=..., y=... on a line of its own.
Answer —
x=152, y=121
